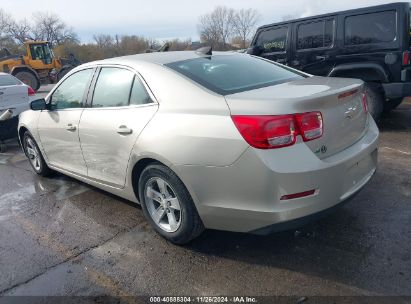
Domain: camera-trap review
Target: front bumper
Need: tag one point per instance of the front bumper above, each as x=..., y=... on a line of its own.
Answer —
x=245, y=197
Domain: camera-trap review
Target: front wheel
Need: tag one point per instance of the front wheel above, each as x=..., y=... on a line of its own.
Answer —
x=167, y=205
x=34, y=155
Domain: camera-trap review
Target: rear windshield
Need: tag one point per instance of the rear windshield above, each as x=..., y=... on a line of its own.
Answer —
x=7, y=80
x=229, y=74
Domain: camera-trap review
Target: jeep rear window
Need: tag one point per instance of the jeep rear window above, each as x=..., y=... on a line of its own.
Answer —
x=229, y=74
x=370, y=28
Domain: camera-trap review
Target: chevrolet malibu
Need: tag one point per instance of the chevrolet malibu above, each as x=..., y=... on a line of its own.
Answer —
x=224, y=141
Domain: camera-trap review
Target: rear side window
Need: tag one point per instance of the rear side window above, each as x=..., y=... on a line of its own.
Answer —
x=229, y=74
x=113, y=88
x=139, y=94
x=313, y=35
x=370, y=28
x=273, y=40
x=8, y=80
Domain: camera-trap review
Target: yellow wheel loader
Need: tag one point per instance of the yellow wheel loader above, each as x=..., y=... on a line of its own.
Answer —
x=38, y=66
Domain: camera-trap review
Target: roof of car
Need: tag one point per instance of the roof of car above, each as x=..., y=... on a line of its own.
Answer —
x=157, y=57
x=360, y=9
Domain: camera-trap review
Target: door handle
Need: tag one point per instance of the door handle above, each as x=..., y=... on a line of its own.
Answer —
x=124, y=130
x=70, y=127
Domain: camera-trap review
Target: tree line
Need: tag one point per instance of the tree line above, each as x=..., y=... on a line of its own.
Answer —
x=223, y=28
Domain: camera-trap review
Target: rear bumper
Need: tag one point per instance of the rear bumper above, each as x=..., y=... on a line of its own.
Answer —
x=245, y=197
x=399, y=89
x=292, y=224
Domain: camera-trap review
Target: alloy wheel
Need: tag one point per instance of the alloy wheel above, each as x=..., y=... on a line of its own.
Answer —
x=162, y=204
x=33, y=154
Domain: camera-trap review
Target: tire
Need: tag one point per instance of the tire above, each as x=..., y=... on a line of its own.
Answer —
x=391, y=104
x=162, y=193
x=34, y=155
x=29, y=79
x=375, y=99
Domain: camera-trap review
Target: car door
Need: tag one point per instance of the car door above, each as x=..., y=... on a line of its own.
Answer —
x=273, y=43
x=58, y=127
x=120, y=107
x=314, y=46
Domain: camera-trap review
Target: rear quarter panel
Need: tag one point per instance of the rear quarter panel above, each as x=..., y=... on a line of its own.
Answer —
x=193, y=126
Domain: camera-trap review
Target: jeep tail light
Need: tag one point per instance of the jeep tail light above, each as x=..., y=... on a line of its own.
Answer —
x=406, y=58
x=277, y=131
x=364, y=102
x=30, y=91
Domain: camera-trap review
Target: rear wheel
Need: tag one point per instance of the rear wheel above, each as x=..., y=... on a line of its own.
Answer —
x=375, y=99
x=392, y=104
x=168, y=206
x=34, y=155
x=29, y=79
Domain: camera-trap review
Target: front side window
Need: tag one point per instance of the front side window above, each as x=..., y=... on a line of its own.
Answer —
x=113, y=88
x=229, y=74
x=273, y=40
x=370, y=28
x=71, y=91
x=315, y=35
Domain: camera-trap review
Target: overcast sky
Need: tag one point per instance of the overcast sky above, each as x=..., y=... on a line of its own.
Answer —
x=163, y=19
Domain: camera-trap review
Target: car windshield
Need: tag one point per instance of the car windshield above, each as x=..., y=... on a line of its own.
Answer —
x=7, y=80
x=229, y=74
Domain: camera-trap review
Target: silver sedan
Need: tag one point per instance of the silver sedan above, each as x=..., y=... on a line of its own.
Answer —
x=224, y=141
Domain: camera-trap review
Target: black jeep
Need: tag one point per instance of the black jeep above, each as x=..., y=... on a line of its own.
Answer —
x=372, y=44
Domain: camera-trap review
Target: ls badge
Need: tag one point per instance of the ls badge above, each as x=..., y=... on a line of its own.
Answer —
x=323, y=149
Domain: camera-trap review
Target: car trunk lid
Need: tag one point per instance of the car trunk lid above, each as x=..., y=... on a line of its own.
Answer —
x=339, y=101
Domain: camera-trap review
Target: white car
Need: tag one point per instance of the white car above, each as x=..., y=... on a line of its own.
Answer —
x=224, y=141
x=14, y=96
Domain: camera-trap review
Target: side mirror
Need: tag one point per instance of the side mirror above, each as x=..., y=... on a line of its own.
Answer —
x=255, y=50
x=38, y=104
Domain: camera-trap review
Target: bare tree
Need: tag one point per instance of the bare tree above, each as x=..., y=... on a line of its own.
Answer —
x=20, y=31
x=50, y=27
x=103, y=40
x=208, y=31
x=216, y=27
x=4, y=22
x=244, y=23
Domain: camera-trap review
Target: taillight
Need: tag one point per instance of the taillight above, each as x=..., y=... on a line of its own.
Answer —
x=30, y=91
x=406, y=58
x=364, y=102
x=277, y=131
x=310, y=124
